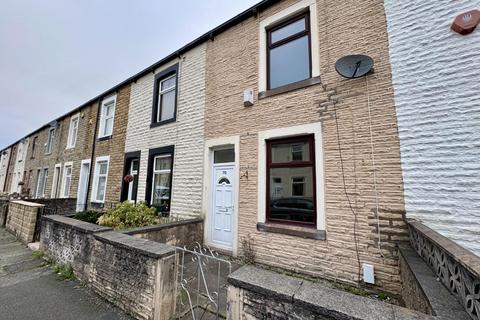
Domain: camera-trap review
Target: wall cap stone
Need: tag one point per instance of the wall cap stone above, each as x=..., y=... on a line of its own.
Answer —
x=329, y=302
x=79, y=225
x=146, y=247
x=28, y=204
x=464, y=257
x=158, y=227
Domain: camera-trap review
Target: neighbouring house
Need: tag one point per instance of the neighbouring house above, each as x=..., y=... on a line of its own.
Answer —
x=18, y=173
x=4, y=161
x=437, y=97
x=309, y=174
x=164, y=143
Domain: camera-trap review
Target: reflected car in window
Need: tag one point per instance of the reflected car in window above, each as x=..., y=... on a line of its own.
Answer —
x=293, y=209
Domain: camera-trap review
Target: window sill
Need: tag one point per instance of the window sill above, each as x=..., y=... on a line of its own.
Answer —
x=289, y=87
x=105, y=138
x=302, y=232
x=161, y=123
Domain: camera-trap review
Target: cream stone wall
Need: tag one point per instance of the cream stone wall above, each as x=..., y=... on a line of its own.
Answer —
x=365, y=111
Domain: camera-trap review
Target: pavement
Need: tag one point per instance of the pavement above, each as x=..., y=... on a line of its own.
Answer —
x=30, y=290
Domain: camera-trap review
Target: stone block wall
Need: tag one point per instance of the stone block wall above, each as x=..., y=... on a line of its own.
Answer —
x=179, y=234
x=3, y=212
x=69, y=242
x=137, y=275
x=58, y=206
x=22, y=219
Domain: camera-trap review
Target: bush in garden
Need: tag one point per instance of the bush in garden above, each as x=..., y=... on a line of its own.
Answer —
x=90, y=216
x=128, y=215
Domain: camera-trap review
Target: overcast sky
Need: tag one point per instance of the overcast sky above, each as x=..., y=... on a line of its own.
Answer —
x=57, y=54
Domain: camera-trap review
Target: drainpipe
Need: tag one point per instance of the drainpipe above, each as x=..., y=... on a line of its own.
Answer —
x=85, y=205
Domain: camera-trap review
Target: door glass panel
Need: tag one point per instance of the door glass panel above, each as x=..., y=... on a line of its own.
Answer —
x=224, y=180
x=224, y=156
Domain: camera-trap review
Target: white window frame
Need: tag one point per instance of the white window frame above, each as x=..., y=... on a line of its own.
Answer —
x=96, y=177
x=162, y=92
x=263, y=136
x=50, y=140
x=282, y=16
x=56, y=180
x=73, y=131
x=103, y=117
x=44, y=182
x=64, y=192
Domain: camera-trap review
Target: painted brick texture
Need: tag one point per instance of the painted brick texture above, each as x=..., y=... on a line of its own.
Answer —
x=186, y=133
x=437, y=95
x=345, y=27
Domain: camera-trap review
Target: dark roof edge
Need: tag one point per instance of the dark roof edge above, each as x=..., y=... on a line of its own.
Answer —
x=252, y=11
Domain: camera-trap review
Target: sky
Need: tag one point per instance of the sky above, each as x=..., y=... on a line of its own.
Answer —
x=56, y=55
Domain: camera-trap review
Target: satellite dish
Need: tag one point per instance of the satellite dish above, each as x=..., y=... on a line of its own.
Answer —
x=354, y=66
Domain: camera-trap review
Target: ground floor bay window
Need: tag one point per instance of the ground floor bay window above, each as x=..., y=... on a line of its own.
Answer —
x=159, y=179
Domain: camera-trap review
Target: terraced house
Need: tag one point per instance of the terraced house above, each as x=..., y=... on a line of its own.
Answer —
x=252, y=128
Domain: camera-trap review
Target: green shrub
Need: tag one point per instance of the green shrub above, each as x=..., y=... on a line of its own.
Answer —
x=90, y=216
x=128, y=215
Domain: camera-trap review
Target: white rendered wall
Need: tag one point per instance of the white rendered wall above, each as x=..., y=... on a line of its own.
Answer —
x=436, y=78
x=186, y=134
x=19, y=165
x=3, y=169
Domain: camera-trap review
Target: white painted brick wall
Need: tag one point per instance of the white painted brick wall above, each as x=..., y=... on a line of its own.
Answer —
x=436, y=77
x=4, y=159
x=186, y=133
x=19, y=166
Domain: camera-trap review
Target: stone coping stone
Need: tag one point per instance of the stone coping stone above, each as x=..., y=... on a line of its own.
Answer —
x=28, y=204
x=443, y=303
x=158, y=227
x=329, y=302
x=466, y=258
x=79, y=225
x=143, y=246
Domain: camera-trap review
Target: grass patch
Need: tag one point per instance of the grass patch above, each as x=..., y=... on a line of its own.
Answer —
x=64, y=272
x=38, y=254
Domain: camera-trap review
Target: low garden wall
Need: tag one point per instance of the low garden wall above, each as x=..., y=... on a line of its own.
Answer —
x=22, y=219
x=255, y=293
x=135, y=274
x=457, y=268
x=178, y=233
x=59, y=206
x=3, y=212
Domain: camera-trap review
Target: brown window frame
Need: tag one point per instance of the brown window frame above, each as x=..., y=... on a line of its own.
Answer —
x=307, y=32
x=310, y=139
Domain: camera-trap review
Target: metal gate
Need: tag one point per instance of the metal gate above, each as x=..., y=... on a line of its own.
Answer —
x=201, y=284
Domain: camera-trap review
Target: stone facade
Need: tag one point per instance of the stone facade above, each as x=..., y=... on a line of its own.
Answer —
x=185, y=134
x=22, y=219
x=19, y=159
x=113, y=147
x=360, y=27
x=185, y=233
x=38, y=159
x=437, y=93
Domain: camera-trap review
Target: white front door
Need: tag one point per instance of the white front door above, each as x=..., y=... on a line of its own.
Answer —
x=223, y=209
x=82, y=185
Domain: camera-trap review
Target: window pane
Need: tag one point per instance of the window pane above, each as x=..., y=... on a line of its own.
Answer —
x=163, y=163
x=168, y=83
x=224, y=156
x=287, y=152
x=289, y=63
x=103, y=167
x=288, y=30
x=291, y=194
x=109, y=108
x=161, y=191
x=167, y=101
x=101, y=188
x=108, y=127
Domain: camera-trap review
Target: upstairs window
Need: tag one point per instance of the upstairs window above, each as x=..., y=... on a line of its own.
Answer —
x=72, y=131
x=107, y=114
x=288, y=52
x=34, y=146
x=50, y=141
x=165, y=96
